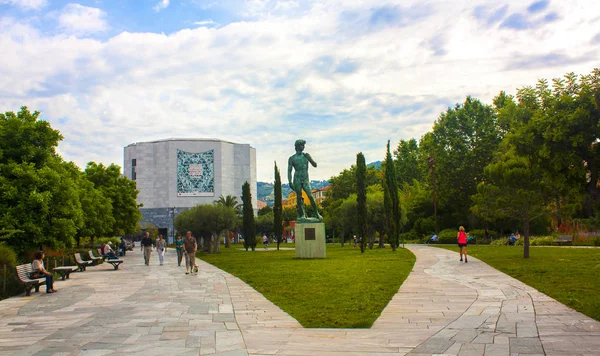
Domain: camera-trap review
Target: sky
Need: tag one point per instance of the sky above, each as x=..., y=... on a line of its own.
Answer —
x=344, y=75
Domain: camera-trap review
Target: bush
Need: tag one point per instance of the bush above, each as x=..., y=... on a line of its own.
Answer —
x=500, y=242
x=7, y=256
x=542, y=240
x=447, y=236
x=409, y=236
x=480, y=235
x=424, y=226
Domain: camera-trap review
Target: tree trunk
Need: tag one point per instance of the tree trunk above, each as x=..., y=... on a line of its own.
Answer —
x=342, y=237
x=206, y=244
x=227, y=239
x=381, y=239
x=526, y=241
x=371, y=240
x=217, y=243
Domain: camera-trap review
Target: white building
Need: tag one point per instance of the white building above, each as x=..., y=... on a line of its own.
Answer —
x=173, y=175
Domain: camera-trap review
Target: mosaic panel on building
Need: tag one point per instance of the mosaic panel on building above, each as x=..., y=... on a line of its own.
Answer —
x=195, y=173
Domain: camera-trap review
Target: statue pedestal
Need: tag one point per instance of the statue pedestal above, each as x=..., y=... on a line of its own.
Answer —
x=310, y=240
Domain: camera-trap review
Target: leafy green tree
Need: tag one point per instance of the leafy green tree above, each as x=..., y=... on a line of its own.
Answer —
x=264, y=224
x=277, y=208
x=98, y=220
x=558, y=127
x=515, y=190
x=376, y=215
x=265, y=210
x=361, y=200
x=208, y=221
x=344, y=184
x=463, y=141
x=407, y=158
x=38, y=191
x=393, y=216
x=122, y=193
x=248, y=228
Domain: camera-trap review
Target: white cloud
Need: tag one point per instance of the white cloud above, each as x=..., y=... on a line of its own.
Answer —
x=272, y=80
x=26, y=4
x=161, y=5
x=82, y=20
x=207, y=23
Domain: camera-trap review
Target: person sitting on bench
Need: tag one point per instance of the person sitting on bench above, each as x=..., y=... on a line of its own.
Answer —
x=108, y=251
x=38, y=271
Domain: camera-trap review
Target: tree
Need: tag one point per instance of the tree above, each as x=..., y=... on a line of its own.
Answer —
x=38, y=191
x=265, y=210
x=122, y=193
x=361, y=200
x=229, y=201
x=407, y=160
x=277, y=208
x=463, y=141
x=208, y=221
x=264, y=224
x=393, y=216
x=248, y=227
x=98, y=220
x=375, y=215
x=515, y=190
x=558, y=128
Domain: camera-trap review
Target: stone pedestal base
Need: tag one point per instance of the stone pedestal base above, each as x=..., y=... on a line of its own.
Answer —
x=310, y=240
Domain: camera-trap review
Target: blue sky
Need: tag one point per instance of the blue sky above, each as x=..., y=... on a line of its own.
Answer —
x=344, y=75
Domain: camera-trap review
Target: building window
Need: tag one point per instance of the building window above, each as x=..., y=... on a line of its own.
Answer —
x=133, y=173
x=133, y=162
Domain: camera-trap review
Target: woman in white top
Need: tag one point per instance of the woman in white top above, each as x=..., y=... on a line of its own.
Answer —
x=161, y=247
x=38, y=271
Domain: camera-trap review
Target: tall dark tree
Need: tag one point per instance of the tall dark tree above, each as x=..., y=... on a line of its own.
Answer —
x=248, y=227
x=361, y=199
x=277, y=208
x=392, y=185
x=407, y=160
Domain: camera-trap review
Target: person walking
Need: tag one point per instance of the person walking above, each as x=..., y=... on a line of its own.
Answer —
x=462, y=243
x=146, y=245
x=37, y=266
x=190, y=247
x=179, y=248
x=265, y=241
x=161, y=248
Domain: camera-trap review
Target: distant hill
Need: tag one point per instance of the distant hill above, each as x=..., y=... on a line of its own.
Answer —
x=266, y=191
x=376, y=164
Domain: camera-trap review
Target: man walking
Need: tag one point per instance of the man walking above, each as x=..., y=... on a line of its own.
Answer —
x=190, y=246
x=147, y=247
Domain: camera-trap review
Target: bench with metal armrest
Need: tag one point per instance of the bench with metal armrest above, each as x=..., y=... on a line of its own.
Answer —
x=24, y=274
x=65, y=271
x=82, y=264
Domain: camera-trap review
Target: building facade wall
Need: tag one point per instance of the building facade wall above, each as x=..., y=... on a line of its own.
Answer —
x=154, y=168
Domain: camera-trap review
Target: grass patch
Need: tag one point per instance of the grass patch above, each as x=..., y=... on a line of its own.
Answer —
x=345, y=290
x=569, y=275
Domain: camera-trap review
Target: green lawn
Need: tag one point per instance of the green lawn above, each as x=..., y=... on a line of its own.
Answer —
x=569, y=275
x=345, y=290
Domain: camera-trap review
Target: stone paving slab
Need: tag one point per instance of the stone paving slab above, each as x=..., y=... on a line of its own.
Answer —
x=443, y=308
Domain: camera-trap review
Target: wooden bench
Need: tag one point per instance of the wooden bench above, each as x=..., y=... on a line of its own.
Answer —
x=97, y=260
x=115, y=263
x=564, y=239
x=64, y=271
x=81, y=263
x=24, y=273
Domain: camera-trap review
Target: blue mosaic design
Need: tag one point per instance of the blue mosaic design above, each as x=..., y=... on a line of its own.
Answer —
x=195, y=173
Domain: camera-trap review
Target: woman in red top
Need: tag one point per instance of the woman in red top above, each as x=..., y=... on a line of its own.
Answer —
x=462, y=243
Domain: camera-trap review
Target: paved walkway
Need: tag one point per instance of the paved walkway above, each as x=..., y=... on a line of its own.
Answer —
x=443, y=308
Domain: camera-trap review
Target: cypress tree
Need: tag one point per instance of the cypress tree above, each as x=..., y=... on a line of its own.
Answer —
x=390, y=178
x=361, y=209
x=248, y=227
x=277, y=208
